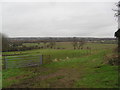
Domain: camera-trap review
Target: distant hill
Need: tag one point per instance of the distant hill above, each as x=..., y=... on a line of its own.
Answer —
x=62, y=39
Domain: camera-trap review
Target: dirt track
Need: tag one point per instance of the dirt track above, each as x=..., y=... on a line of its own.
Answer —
x=62, y=78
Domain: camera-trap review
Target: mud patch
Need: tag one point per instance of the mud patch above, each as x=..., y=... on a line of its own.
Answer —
x=63, y=78
x=17, y=77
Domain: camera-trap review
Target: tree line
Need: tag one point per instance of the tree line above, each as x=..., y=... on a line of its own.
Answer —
x=9, y=45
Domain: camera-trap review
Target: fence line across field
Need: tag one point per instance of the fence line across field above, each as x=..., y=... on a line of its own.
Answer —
x=24, y=61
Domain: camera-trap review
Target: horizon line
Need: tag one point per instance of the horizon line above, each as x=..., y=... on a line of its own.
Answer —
x=58, y=37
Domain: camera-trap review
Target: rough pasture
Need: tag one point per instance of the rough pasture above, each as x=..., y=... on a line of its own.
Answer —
x=73, y=68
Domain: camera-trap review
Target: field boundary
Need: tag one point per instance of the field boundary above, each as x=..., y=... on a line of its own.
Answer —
x=24, y=61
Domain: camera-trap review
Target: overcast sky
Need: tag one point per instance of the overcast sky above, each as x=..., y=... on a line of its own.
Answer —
x=54, y=19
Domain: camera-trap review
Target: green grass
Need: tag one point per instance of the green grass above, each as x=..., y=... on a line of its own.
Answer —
x=104, y=77
x=82, y=70
x=8, y=76
x=34, y=56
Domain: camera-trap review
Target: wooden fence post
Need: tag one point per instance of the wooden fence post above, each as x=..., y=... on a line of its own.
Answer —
x=4, y=62
x=49, y=59
x=41, y=59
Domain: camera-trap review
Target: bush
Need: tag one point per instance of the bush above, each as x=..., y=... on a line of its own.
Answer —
x=112, y=59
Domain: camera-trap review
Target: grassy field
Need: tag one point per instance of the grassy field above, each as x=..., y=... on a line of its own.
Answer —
x=73, y=68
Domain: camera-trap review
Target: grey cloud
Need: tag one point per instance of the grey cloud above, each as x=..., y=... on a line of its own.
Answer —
x=59, y=19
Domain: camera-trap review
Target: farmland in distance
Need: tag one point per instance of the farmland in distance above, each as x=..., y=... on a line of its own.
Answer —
x=91, y=66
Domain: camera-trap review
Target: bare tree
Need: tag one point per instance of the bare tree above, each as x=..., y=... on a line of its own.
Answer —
x=38, y=43
x=45, y=44
x=117, y=12
x=81, y=44
x=52, y=43
x=75, y=43
x=117, y=33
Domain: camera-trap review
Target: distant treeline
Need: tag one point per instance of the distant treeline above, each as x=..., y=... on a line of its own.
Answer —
x=18, y=44
x=66, y=39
